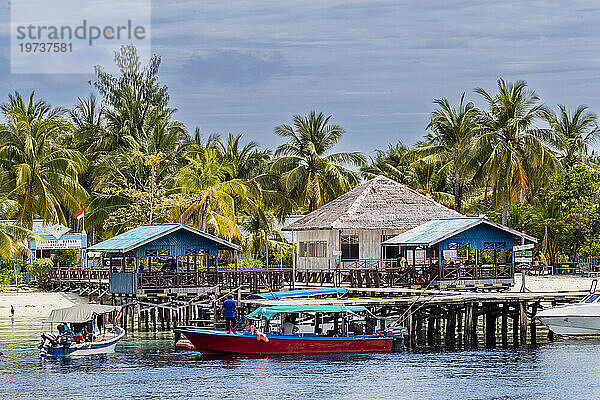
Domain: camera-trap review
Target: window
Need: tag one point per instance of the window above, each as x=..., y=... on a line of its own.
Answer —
x=390, y=252
x=303, y=249
x=350, y=247
x=312, y=249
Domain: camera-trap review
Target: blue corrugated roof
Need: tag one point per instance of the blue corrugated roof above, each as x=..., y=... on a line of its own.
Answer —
x=437, y=230
x=145, y=233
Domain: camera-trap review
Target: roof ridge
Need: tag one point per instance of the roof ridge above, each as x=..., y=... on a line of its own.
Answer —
x=356, y=203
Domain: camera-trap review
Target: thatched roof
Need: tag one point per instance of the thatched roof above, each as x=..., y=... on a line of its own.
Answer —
x=380, y=203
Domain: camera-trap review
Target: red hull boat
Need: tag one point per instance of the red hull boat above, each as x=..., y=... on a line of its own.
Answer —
x=220, y=342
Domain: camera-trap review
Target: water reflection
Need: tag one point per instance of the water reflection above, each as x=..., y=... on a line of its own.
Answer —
x=146, y=366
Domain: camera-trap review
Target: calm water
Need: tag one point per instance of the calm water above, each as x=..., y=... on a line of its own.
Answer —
x=146, y=367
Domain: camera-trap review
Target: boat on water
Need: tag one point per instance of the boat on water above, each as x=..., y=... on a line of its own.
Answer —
x=299, y=329
x=580, y=319
x=81, y=330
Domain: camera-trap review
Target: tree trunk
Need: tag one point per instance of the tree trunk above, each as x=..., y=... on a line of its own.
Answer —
x=545, y=241
x=458, y=191
x=506, y=204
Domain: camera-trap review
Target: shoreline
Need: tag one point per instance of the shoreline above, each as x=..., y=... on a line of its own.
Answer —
x=36, y=303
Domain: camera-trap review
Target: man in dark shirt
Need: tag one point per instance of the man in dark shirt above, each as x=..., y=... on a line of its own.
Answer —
x=229, y=311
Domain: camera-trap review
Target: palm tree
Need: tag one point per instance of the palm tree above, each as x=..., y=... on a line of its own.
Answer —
x=13, y=238
x=572, y=134
x=448, y=144
x=209, y=203
x=308, y=171
x=40, y=174
x=394, y=163
x=509, y=146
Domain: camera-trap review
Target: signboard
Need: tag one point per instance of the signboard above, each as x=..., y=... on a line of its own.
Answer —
x=337, y=253
x=524, y=256
x=524, y=247
x=58, y=244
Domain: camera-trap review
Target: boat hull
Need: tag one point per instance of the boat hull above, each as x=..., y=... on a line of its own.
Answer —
x=88, y=349
x=573, y=325
x=219, y=342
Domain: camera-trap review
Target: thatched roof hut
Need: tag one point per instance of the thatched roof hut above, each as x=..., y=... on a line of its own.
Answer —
x=380, y=203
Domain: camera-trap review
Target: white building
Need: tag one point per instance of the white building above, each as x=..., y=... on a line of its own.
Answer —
x=349, y=230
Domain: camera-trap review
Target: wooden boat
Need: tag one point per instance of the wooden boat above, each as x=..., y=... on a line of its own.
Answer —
x=253, y=341
x=101, y=338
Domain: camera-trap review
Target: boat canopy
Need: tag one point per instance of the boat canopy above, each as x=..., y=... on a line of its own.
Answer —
x=298, y=293
x=79, y=313
x=269, y=312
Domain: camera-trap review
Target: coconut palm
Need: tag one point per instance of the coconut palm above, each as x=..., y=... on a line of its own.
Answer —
x=394, y=163
x=309, y=173
x=40, y=175
x=13, y=238
x=510, y=148
x=448, y=144
x=572, y=134
x=209, y=203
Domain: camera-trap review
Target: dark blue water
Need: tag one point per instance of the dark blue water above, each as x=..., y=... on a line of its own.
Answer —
x=145, y=366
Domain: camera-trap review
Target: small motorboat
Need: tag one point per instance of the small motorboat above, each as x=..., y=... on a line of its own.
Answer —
x=580, y=319
x=299, y=329
x=82, y=330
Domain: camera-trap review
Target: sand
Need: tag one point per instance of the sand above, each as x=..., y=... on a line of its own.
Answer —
x=35, y=304
x=552, y=283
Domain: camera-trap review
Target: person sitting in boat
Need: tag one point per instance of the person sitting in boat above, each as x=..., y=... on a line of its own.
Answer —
x=63, y=329
x=288, y=327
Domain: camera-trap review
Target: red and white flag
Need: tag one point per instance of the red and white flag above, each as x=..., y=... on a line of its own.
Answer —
x=80, y=214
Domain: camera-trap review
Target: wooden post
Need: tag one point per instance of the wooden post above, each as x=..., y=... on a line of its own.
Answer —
x=523, y=321
x=430, y=330
x=490, y=327
x=419, y=337
x=504, y=326
x=468, y=337
x=515, y=326
x=139, y=317
x=161, y=315
x=532, y=327
x=473, y=333
x=450, y=334
x=459, y=329
x=409, y=327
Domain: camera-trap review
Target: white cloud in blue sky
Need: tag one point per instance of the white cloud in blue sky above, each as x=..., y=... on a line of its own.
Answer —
x=246, y=66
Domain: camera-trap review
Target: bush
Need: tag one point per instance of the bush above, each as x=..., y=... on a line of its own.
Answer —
x=40, y=268
x=248, y=263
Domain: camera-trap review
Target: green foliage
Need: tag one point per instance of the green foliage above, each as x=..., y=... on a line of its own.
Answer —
x=40, y=268
x=247, y=263
x=67, y=258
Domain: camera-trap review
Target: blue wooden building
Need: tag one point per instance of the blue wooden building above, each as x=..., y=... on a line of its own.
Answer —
x=162, y=258
x=455, y=252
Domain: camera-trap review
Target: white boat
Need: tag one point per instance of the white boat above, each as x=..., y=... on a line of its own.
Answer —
x=581, y=319
x=82, y=330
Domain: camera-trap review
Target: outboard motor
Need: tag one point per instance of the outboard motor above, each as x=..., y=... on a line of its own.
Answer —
x=48, y=341
x=397, y=334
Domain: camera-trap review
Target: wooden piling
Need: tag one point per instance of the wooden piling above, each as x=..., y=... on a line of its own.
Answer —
x=504, y=325
x=409, y=327
x=490, y=327
x=430, y=330
x=532, y=327
x=523, y=322
x=515, y=327
x=468, y=337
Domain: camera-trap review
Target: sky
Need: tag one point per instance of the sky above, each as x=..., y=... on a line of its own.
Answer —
x=376, y=66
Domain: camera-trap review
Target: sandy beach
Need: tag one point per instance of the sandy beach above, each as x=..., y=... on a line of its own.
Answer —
x=35, y=304
x=552, y=283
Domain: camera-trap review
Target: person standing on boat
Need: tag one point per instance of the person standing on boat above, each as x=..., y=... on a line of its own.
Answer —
x=229, y=311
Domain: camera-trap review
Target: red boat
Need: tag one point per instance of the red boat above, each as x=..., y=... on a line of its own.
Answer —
x=253, y=341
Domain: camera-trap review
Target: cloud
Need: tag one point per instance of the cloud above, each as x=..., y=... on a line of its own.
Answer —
x=235, y=68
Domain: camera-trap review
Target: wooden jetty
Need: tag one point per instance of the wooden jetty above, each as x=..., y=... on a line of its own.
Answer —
x=453, y=319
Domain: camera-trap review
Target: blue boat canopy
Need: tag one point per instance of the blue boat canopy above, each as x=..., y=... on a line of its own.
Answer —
x=298, y=293
x=269, y=312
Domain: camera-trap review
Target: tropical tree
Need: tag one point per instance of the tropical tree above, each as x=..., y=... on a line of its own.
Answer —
x=509, y=146
x=208, y=199
x=309, y=173
x=572, y=133
x=395, y=163
x=39, y=173
x=452, y=129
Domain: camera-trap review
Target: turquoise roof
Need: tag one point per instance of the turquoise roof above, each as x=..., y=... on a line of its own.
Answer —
x=146, y=233
x=436, y=230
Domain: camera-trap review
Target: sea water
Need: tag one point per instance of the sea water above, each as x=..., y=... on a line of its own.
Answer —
x=146, y=366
